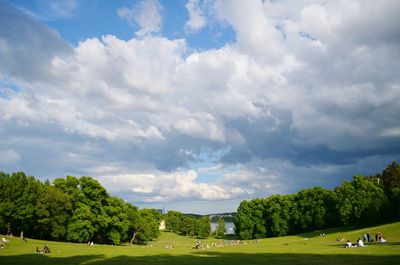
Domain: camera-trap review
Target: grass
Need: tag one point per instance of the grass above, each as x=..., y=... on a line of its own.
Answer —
x=301, y=249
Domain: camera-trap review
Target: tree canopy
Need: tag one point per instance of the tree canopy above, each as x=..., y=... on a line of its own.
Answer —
x=71, y=209
x=362, y=201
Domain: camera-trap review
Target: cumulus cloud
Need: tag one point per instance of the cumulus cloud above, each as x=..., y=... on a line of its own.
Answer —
x=146, y=14
x=304, y=95
x=166, y=187
x=197, y=19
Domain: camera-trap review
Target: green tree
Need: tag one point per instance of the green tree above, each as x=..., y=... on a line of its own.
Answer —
x=188, y=226
x=204, y=227
x=277, y=214
x=359, y=201
x=53, y=210
x=144, y=225
x=243, y=220
x=118, y=226
x=314, y=209
x=173, y=221
x=391, y=182
x=221, y=229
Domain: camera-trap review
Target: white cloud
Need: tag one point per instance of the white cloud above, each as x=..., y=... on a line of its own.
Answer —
x=197, y=19
x=255, y=32
x=146, y=14
x=165, y=187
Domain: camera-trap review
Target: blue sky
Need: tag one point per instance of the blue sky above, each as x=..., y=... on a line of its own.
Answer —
x=196, y=105
x=81, y=20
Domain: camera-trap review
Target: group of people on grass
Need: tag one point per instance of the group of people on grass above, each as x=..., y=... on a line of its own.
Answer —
x=45, y=250
x=379, y=238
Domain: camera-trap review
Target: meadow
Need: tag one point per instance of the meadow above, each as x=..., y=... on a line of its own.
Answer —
x=169, y=248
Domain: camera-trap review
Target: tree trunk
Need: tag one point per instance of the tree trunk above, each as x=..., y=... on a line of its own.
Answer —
x=133, y=237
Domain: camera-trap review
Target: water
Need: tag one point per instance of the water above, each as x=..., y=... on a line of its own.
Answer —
x=230, y=227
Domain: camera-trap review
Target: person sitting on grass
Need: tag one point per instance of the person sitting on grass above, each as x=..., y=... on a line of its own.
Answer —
x=46, y=249
x=39, y=251
x=348, y=244
x=360, y=243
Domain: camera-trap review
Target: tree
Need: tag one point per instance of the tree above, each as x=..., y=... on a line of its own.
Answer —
x=188, y=226
x=204, y=227
x=221, y=229
x=278, y=214
x=173, y=221
x=144, y=224
x=118, y=226
x=53, y=211
x=391, y=182
x=314, y=209
x=243, y=221
x=359, y=201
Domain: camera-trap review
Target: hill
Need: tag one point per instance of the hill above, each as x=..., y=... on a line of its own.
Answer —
x=173, y=249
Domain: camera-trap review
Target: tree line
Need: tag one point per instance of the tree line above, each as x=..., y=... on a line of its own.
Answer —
x=192, y=226
x=80, y=210
x=363, y=201
x=71, y=209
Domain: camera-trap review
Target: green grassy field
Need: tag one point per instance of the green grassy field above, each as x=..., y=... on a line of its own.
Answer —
x=301, y=249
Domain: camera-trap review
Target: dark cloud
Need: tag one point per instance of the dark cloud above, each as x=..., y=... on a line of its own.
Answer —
x=27, y=46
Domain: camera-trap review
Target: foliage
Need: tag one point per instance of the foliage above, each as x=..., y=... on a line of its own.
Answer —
x=391, y=182
x=173, y=221
x=203, y=227
x=221, y=229
x=81, y=210
x=72, y=209
x=359, y=201
x=278, y=214
x=313, y=209
x=362, y=201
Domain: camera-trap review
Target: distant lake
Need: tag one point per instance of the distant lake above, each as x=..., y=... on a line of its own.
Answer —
x=230, y=227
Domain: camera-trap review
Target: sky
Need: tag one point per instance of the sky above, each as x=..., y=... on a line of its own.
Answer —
x=196, y=105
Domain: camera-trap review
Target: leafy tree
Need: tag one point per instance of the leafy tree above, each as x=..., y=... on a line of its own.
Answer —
x=249, y=220
x=259, y=225
x=188, y=226
x=243, y=222
x=278, y=214
x=391, y=182
x=314, y=209
x=118, y=226
x=359, y=201
x=221, y=229
x=173, y=221
x=53, y=211
x=204, y=227
x=143, y=224
x=81, y=227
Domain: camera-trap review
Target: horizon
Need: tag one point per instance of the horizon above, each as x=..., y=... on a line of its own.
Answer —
x=197, y=105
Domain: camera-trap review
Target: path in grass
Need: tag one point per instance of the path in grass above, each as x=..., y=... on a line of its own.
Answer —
x=301, y=249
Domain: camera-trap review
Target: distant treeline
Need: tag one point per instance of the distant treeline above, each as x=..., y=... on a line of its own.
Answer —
x=227, y=217
x=363, y=201
x=188, y=224
x=71, y=209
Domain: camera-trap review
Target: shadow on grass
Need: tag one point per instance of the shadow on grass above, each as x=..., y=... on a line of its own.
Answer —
x=204, y=258
x=327, y=231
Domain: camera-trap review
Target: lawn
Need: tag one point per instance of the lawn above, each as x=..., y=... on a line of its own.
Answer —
x=307, y=248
